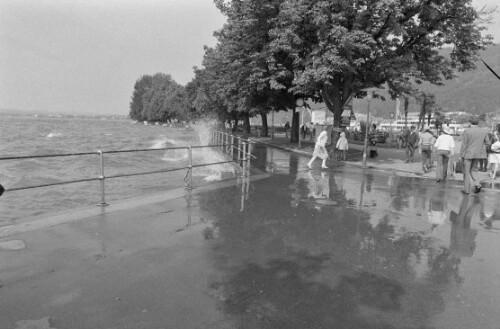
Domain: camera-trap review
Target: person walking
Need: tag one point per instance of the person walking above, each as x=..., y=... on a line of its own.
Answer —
x=342, y=146
x=494, y=156
x=426, y=142
x=411, y=143
x=320, y=150
x=287, y=127
x=473, y=148
x=444, y=146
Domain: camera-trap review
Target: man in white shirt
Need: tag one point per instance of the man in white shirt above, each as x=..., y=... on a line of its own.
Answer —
x=444, y=146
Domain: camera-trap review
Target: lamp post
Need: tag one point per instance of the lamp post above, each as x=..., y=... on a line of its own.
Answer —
x=367, y=128
x=298, y=106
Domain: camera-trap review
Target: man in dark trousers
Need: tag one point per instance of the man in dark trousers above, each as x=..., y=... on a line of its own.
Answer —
x=411, y=143
x=473, y=148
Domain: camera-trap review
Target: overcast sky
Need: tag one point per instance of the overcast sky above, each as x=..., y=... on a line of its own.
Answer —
x=83, y=56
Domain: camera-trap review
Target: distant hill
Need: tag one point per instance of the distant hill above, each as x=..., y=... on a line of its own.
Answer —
x=476, y=91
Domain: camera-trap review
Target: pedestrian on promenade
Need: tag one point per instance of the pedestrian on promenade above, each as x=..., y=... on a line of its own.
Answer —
x=473, y=148
x=405, y=136
x=444, y=146
x=411, y=143
x=426, y=142
x=320, y=150
x=287, y=127
x=494, y=155
x=373, y=139
x=342, y=146
x=303, y=130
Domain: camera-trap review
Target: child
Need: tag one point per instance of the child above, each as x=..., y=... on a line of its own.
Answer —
x=342, y=146
x=320, y=150
x=494, y=156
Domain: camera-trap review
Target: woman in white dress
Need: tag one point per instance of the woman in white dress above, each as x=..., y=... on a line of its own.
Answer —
x=320, y=150
x=494, y=156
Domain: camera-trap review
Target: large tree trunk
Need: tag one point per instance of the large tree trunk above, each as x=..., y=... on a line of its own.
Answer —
x=265, y=127
x=407, y=103
x=294, y=131
x=246, y=123
x=336, y=93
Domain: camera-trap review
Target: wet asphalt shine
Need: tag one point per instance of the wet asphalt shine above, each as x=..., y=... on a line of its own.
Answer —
x=340, y=247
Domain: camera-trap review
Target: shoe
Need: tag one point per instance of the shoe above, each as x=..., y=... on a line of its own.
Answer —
x=438, y=180
x=477, y=188
x=309, y=166
x=324, y=167
x=465, y=192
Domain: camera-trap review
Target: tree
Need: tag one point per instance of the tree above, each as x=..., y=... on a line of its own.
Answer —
x=247, y=83
x=157, y=98
x=339, y=48
x=136, y=104
x=427, y=105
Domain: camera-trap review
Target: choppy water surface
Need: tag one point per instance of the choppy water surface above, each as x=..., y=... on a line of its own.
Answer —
x=26, y=136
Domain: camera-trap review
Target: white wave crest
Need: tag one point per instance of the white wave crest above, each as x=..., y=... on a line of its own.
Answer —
x=163, y=142
x=54, y=134
x=204, y=133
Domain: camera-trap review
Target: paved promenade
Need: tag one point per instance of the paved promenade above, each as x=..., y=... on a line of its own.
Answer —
x=285, y=248
x=389, y=159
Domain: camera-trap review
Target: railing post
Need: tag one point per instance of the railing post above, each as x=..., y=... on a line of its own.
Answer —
x=224, y=145
x=239, y=151
x=232, y=148
x=249, y=158
x=244, y=164
x=102, y=178
x=189, y=177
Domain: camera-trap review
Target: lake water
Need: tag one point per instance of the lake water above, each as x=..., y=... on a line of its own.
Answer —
x=28, y=135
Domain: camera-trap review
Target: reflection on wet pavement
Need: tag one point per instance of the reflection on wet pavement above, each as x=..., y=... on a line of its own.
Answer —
x=344, y=248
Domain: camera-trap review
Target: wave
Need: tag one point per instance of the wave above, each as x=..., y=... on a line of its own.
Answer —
x=169, y=155
x=163, y=142
x=204, y=132
x=54, y=134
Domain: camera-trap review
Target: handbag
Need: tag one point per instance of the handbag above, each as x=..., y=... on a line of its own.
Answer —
x=426, y=147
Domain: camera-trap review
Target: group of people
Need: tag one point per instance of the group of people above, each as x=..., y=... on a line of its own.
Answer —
x=320, y=151
x=478, y=149
x=478, y=145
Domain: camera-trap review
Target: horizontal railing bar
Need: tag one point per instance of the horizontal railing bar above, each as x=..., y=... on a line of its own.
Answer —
x=51, y=184
x=146, y=150
x=46, y=156
x=145, y=173
x=211, y=164
x=109, y=152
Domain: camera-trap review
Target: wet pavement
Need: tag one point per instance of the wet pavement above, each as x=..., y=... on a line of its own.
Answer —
x=293, y=248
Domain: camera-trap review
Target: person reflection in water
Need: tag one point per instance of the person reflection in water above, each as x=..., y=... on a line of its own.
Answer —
x=490, y=211
x=462, y=239
x=437, y=213
x=320, y=188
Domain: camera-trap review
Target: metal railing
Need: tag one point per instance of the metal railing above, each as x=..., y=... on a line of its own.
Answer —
x=235, y=147
x=241, y=149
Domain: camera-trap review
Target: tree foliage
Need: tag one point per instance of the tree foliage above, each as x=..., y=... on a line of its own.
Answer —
x=340, y=48
x=157, y=98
